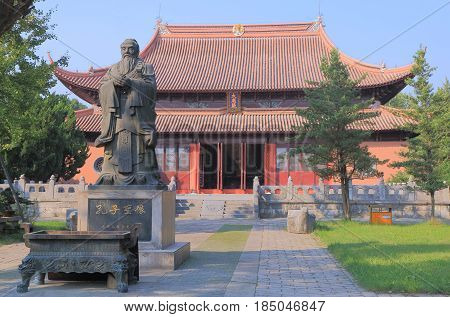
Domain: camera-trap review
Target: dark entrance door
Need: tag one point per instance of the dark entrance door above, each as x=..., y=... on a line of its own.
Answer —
x=208, y=166
x=254, y=164
x=231, y=166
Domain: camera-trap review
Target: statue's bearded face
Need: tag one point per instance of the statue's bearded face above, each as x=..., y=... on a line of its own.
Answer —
x=129, y=49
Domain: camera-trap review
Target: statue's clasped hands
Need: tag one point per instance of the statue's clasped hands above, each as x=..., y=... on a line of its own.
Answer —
x=122, y=81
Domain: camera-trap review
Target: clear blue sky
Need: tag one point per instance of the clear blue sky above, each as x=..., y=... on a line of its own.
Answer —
x=96, y=28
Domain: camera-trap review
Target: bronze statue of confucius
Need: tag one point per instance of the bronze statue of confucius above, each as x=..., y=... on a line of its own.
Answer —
x=127, y=96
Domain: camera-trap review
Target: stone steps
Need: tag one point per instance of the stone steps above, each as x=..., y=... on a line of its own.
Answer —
x=203, y=206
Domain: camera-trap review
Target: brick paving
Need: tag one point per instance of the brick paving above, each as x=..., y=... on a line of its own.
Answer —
x=273, y=263
x=10, y=258
x=278, y=263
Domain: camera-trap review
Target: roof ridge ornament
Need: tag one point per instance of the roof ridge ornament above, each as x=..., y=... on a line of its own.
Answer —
x=161, y=27
x=318, y=23
x=238, y=30
x=50, y=58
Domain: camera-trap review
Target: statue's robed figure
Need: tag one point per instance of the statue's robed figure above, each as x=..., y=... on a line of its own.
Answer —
x=128, y=133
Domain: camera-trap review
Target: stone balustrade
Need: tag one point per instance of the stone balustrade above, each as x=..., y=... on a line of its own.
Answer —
x=325, y=201
x=51, y=198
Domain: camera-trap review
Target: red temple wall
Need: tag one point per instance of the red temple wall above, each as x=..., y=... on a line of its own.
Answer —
x=384, y=150
x=87, y=170
x=187, y=181
x=381, y=149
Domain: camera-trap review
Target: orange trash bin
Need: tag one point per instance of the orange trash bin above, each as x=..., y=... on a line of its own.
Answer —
x=380, y=215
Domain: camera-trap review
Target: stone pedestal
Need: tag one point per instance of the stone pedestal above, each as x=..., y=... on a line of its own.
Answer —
x=168, y=258
x=300, y=221
x=113, y=208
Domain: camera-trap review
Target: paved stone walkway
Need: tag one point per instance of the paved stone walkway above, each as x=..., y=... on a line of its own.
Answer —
x=10, y=258
x=273, y=263
x=278, y=263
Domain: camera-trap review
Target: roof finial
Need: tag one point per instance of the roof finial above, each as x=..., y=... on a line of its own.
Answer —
x=161, y=27
x=50, y=58
x=317, y=24
x=320, y=15
x=320, y=20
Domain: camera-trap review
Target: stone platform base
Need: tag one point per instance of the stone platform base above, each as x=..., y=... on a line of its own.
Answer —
x=168, y=258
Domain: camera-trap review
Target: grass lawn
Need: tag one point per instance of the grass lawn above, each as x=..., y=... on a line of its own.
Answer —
x=38, y=225
x=398, y=258
x=49, y=225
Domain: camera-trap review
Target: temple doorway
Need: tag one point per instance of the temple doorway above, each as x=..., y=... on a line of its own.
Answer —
x=230, y=167
x=254, y=164
x=208, y=166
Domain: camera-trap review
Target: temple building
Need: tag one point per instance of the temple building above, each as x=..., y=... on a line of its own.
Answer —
x=226, y=103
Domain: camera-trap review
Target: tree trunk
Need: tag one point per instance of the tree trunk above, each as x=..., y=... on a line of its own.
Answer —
x=8, y=178
x=433, y=203
x=345, y=198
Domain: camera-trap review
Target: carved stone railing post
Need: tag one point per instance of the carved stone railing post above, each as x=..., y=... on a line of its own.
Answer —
x=22, y=182
x=290, y=189
x=256, y=188
x=172, y=186
x=51, y=186
x=82, y=184
x=321, y=192
x=381, y=189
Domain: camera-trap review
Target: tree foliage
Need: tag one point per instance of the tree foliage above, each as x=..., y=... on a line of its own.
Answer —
x=13, y=10
x=38, y=137
x=399, y=177
x=441, y=127
x=7, y=202
x=330, y=137
x=427, y=154
x=76, y=105
x=401, y=101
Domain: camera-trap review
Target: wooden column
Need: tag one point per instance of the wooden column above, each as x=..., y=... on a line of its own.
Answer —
x=194, y=167
x=270, y=164
x=219, y=167
x=243, y=165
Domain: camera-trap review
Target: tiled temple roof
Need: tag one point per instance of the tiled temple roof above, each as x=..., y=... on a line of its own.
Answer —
x=217, y=58
x=248, y=121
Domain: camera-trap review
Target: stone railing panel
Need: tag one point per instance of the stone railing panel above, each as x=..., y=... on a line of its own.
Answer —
x=326, y=201
x=51, y=198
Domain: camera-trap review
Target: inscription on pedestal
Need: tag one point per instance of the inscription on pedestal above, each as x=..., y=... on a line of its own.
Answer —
x=120, y=215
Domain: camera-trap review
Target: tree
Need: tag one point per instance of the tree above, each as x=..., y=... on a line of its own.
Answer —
x=442, y=128
x=76, y=105
x=401, y=101
x=37, y=129
x=11, y=11
x=330, y=137
x=399, y=177
x=47, y=141
x=427, y=152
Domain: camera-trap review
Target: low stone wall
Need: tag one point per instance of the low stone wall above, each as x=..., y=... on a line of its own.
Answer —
x=51, y=199
x=325, y=200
